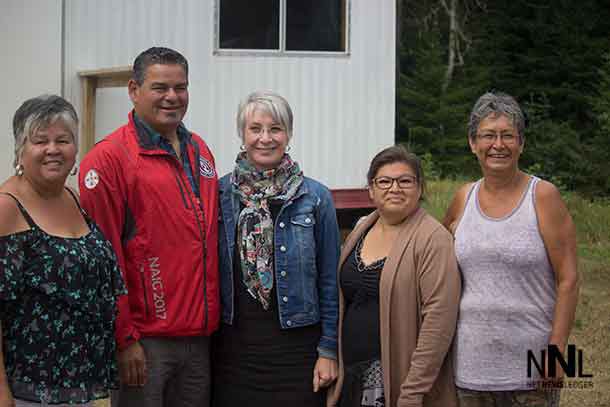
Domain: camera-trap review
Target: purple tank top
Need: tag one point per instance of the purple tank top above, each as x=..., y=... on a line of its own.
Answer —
x=508, y=295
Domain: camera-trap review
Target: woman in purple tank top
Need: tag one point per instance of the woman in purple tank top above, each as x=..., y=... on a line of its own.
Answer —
x=516, y=247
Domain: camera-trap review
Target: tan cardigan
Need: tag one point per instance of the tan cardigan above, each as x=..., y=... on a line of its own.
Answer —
x=419, y=293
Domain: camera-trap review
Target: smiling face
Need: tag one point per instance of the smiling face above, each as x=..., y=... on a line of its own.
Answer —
x=396, y=203
x=265, y=140
x=497, y=144
x=162, y=99
x=49, y=154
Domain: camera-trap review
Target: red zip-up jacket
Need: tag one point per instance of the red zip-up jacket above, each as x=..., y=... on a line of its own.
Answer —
x=165, y=236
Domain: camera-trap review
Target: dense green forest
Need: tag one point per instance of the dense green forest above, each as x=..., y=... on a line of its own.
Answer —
x=553, y=56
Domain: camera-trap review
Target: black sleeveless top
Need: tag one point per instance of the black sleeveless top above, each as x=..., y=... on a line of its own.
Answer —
x=58, y=300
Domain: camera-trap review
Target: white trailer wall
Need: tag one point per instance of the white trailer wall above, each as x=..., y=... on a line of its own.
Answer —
x=343, y=105
x=30, y=45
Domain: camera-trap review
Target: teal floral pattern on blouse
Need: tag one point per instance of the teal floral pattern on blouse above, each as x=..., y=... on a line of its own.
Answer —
x=58, y=300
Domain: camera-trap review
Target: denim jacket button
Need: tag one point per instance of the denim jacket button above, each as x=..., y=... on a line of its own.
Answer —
x=283, y=273
x=307, y=220
x=285, y=299
x=282, y=224
x=289, y=323
x=282, y=248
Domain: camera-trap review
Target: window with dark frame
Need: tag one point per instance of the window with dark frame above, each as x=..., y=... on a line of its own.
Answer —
x=247, y=24
x=310, y=25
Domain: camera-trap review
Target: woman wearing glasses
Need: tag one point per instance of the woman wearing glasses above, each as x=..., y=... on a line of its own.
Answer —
x=399, y=294
x=279, y=247
x=516, y=247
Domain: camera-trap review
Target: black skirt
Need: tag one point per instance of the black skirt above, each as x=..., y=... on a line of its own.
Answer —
x=255, y=363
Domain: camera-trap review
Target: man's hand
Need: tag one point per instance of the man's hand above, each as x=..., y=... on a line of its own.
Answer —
x=132, y=365
x=324, y=373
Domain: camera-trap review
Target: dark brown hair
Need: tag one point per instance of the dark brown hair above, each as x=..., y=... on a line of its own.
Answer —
x=157, y=55
x=397, y=154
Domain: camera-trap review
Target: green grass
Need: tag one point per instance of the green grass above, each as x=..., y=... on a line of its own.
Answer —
x=438, y=196
x=591, y=331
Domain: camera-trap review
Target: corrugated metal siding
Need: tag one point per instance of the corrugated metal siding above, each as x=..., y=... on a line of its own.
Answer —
x=344, y=105
x=30, y=43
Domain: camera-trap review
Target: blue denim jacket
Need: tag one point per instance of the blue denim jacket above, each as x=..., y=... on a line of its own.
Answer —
x=306, y=249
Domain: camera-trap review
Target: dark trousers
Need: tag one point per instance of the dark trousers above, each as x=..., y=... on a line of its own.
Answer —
x=178, y=371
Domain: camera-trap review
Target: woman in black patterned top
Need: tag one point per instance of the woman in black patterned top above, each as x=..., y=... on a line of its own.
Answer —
x=59, y=279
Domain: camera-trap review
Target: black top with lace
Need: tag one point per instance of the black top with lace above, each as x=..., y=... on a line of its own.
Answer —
x=58, y=307
x=361, y=345
x=360, y=287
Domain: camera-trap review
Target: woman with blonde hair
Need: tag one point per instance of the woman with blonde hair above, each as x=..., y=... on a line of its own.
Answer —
x=278, y=251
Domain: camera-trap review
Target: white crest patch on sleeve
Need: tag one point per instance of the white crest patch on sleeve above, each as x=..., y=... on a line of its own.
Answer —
x=206, y=169
x=92, y=179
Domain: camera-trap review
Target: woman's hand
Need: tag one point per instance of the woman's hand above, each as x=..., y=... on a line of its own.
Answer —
x=6, y=397
x=324, y=373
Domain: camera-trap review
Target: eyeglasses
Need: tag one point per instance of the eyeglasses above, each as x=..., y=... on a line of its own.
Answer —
x=490, y=138
x=273, y=130
x=404, y=182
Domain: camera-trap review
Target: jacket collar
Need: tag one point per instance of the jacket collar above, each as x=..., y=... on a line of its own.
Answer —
x=148, y=139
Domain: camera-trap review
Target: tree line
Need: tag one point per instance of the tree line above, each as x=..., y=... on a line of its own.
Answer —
x=553, y=56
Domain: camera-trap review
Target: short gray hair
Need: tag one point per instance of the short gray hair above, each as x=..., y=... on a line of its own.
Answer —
x=267, y=102
x=495, y=104
x=38, y=113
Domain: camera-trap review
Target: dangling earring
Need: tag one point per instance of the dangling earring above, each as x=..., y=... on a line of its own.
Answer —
x=19, y=170
x=288, y=148
x=242, y=147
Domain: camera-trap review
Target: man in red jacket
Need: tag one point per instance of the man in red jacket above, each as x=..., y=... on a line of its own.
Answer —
x=152, y=187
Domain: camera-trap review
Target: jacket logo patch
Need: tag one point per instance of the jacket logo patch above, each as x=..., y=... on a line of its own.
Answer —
x=206, y=169
x=92, y=178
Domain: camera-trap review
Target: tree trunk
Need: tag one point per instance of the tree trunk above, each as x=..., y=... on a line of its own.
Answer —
x=398, y=37
x=453, y=43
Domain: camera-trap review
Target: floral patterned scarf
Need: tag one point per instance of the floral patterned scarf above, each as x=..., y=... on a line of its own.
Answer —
x=255, y=224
